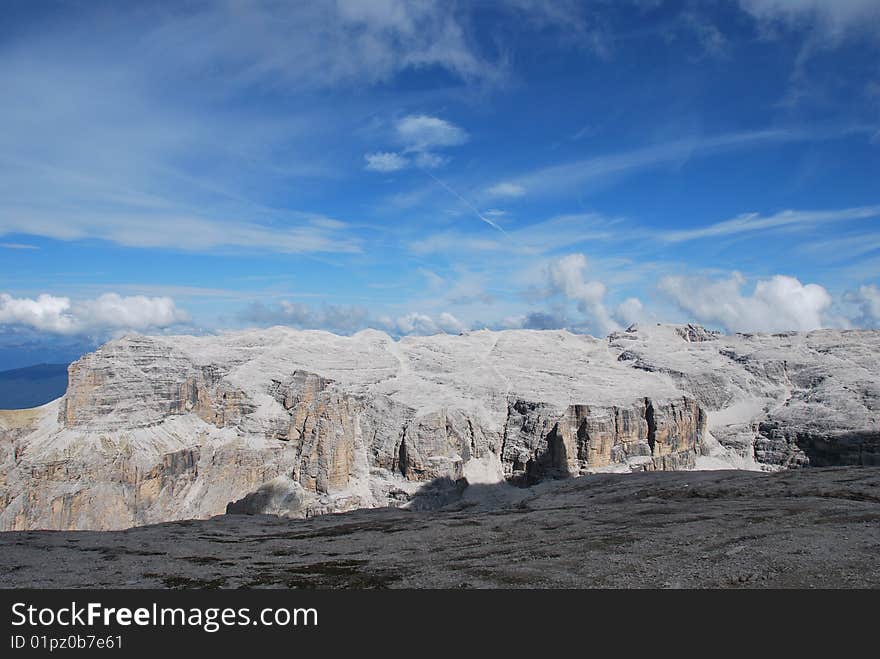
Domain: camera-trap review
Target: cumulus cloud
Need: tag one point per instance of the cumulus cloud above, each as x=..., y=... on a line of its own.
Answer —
x=416, y=323
x=109, y=312
x=506, y=190
x=566, y=276
x=419, y=136
x=449, y=323
x=385, y=161
x=47, y=313
x=630, y=311
x=867, y=300
x=348, y=319
x=778, y=304
x=420, y=132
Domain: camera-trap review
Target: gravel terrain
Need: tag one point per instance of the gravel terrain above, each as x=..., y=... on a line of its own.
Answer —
x=795, y=529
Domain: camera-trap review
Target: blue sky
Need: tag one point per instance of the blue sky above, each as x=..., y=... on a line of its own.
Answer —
x=435, y=166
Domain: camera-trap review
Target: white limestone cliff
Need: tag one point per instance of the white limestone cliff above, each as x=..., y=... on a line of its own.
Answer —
x=306, y=422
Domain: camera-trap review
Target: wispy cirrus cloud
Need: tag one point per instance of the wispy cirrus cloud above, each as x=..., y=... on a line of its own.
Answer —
x=316, y=44
x=505, y=189
x=571, y=177
x=832, y=18
x=86, y=154
x=754, y=222
x=844, y=248
x=556, y=233
x=102, y=146
x=817, y=27
x=140, y=228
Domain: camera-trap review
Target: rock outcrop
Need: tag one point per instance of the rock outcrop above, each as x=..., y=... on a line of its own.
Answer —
x=778, y=401
x=291, y=422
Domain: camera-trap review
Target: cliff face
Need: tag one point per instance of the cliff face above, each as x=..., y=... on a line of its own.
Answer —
x=161, y=428
x=778, y=401
x=541, y=441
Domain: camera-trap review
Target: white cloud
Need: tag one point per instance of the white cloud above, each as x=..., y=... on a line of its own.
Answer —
x=108, y=147
x=845, y=248
x=428, y=160
x=506, y=190
x=434, y=280
x=81, y=164
x=562, y=231
x=296, y=313
x=421, y=132
x=630, y=311
x=134, y=312
x=449, y=323
x=423, y=324
x=17, y=246
x=708, y=36
x=512, y=322
x=778, y=304
x=419, y=135
x=867, y=299
x=109, y=312
x=834, y=17
x=455, y=242
x=572, y=177
x=346, y=319
x=580, y=24
x=136, y=228
x=566, y=277
x=385, y=161
x=416, y=323
x=342, y=319
x=751, y=222
x=317, y=44
x=46, y=313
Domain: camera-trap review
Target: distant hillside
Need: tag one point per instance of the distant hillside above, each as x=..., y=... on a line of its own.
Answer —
x=32, y=386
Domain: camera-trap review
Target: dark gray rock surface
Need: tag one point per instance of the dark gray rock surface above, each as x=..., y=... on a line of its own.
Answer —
x=802, y=528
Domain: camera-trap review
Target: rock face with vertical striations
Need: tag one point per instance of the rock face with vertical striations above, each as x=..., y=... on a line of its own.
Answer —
x=302, y=423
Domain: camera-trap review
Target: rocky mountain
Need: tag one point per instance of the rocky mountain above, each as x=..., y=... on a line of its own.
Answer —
x=301, y=423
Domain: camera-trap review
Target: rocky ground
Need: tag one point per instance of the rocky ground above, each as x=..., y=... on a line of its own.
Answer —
x=794, y=529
